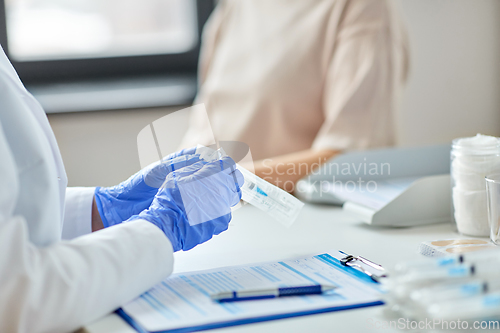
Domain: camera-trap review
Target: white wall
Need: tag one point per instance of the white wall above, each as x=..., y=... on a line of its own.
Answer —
x=100, y=148
x=454, y=85
x=453, y=91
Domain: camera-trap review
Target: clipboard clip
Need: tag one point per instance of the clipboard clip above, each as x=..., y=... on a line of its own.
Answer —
x=376, y=275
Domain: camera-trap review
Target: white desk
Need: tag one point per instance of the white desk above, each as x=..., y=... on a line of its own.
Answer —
x=254, y=237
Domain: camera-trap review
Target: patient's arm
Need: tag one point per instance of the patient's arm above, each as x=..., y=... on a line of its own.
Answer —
x=285, y=170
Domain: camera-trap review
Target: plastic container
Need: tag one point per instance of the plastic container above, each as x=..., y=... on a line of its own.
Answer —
x=472, y=159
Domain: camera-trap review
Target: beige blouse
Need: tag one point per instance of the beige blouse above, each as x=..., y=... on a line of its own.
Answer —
x=288, y=75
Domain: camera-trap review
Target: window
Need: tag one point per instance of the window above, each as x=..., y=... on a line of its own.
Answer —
x=54, y=29
x=64, y=42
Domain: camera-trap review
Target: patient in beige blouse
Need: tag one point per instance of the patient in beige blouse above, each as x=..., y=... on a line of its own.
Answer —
x=300, y=80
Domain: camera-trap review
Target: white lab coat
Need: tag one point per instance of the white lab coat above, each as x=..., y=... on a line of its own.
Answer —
x=48, y=284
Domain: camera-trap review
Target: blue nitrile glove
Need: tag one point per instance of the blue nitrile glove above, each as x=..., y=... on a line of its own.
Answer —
x=195, y=202
x=118, y=203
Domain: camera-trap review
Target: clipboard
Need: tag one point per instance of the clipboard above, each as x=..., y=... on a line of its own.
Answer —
x=355, y=276
x=373, y=270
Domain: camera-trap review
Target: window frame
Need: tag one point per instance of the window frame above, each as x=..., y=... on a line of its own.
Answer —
x=95, y=69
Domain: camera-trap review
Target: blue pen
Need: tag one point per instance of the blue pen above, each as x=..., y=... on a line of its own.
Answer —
x=254, y=294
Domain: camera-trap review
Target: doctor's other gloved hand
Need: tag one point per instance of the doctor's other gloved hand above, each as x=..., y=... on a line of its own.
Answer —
x=195, y=202
x=118, y=203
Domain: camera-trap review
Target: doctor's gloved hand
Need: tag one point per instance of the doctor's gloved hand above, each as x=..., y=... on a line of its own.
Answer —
x=118, y=203
x=195, y=202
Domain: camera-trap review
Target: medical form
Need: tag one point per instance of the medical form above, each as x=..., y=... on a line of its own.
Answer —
x=182, y=302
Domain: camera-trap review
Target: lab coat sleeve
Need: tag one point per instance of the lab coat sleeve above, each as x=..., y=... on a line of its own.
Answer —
x=364, y=76
x=78, y=212
x=64, y=286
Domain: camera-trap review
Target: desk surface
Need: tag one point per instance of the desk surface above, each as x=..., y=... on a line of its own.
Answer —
x=254, y=237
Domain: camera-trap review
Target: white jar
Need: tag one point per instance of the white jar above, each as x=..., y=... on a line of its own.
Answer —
x=472, y=159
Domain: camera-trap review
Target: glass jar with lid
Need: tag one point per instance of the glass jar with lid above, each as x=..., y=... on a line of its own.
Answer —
x=472, y=159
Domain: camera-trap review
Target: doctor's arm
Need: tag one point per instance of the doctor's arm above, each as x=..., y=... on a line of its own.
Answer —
x=61, y=286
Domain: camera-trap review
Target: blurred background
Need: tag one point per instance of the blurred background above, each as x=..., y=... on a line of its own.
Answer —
x=118, y=65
